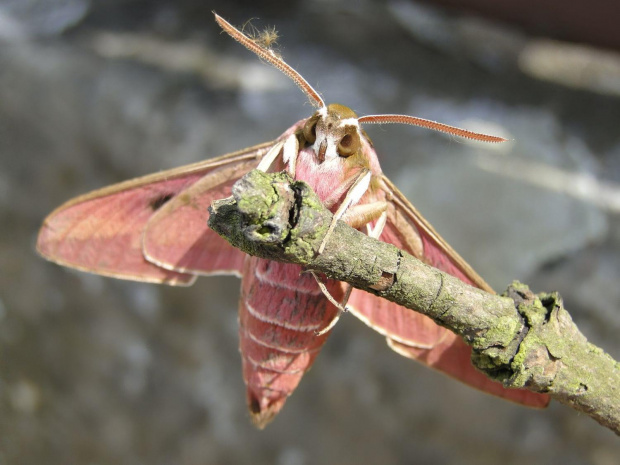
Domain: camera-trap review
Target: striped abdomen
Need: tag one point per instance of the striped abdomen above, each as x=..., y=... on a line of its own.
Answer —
x=279, y=313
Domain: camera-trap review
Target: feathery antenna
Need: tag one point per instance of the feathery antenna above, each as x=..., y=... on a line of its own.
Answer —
x=425, y=123
x=272, y=58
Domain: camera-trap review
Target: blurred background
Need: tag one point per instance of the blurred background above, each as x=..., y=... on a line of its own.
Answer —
x=93, y=92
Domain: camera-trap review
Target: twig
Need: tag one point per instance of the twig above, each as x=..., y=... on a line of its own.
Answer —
x=521, y=339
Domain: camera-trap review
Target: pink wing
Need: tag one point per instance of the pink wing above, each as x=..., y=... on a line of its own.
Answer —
x=453, y=357
x=177, y=237
x=101, y=232
x=414, y=335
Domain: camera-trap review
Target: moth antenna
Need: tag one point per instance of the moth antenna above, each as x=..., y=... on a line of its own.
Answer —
x=272, y=58
x=426, y=123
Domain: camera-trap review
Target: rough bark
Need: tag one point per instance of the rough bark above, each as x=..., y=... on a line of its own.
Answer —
x=519, y=338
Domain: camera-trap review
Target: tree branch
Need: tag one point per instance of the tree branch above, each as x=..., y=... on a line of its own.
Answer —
x=521, y=339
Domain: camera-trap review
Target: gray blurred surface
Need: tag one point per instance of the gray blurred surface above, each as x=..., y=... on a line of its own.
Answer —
x=98, y=371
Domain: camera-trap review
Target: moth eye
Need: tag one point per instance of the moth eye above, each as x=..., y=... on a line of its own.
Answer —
x=347, y=146
x=346, y=141
x=310, y=130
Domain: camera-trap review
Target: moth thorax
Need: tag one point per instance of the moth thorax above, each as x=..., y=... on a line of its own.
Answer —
x=340, y=112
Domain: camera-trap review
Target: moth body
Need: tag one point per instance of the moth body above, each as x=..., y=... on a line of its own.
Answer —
x=154, y=229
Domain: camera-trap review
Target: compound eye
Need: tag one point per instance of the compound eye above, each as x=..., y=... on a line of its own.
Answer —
x=348, y=145
x=309, y=130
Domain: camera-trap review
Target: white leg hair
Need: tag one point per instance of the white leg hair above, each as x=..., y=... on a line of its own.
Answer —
x=358, y=189
x=270, y=157
x=290, y=152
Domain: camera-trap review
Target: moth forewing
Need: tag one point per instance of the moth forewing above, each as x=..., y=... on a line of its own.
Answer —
x=177, y=237
x=102, y=231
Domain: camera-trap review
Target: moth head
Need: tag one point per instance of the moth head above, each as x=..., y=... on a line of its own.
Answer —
x=333, y=132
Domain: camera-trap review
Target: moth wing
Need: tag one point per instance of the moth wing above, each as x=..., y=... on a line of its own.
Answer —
x=414, y=335
x=407, y=226
x=101, y=232
x=177, y=236
x=453, y=357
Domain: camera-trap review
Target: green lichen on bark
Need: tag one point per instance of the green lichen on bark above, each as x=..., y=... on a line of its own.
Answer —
x=494, y=350
x=309, y=224
x=254, y=218
x=264, y=200
x=271, y=216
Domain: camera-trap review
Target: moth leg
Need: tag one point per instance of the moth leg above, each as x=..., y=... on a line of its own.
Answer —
x=366, y=214
x=290, y=152
x=270, y=157
x=340, y=306
x=363, y=215
x=355, y=193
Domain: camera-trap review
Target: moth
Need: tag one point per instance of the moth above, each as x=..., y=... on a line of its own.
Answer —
x=154, y=229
